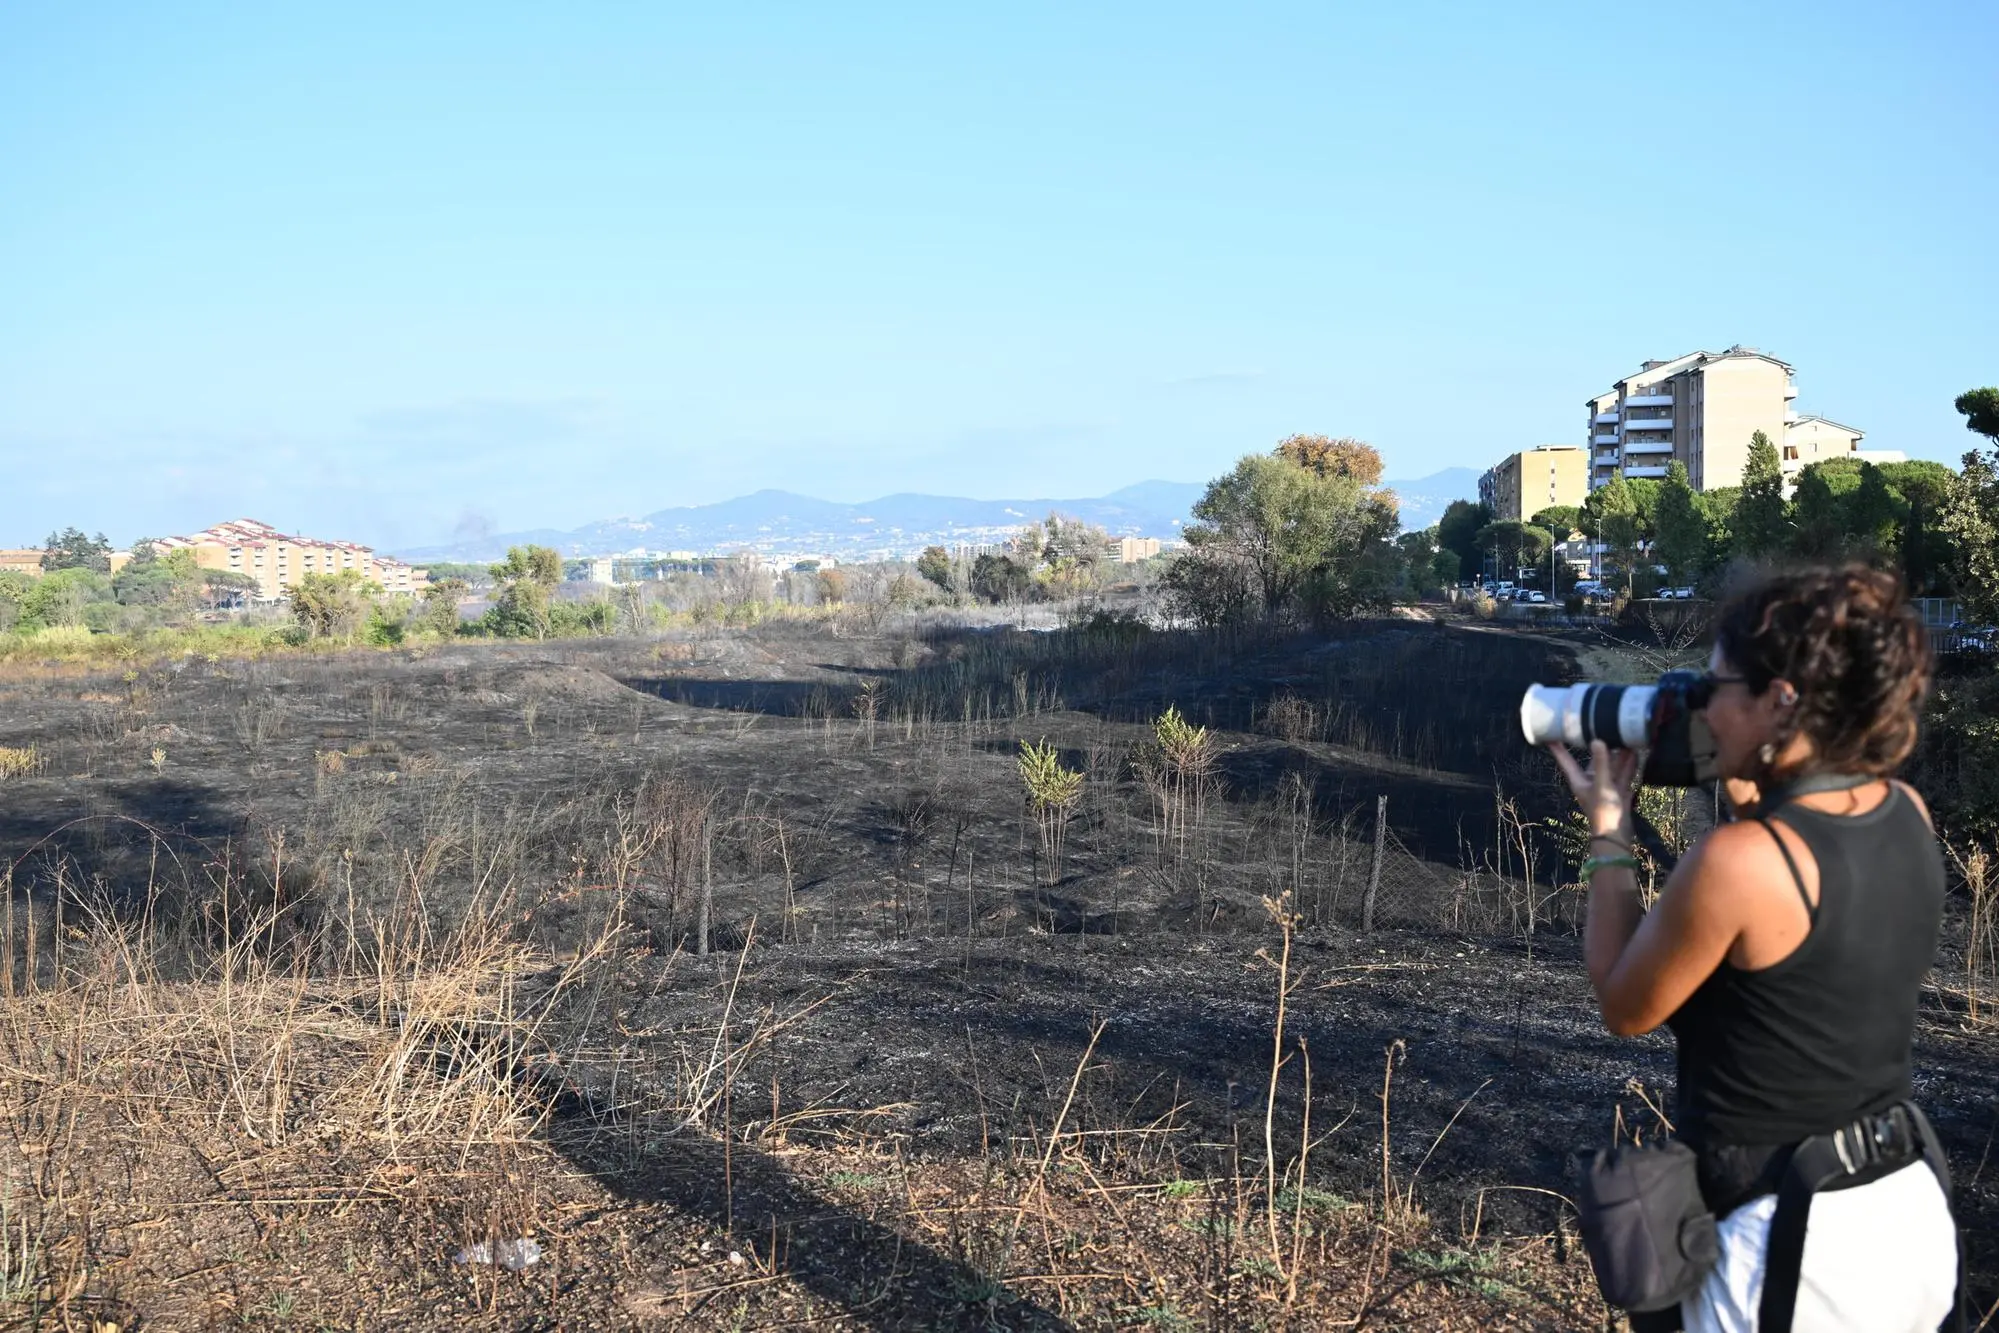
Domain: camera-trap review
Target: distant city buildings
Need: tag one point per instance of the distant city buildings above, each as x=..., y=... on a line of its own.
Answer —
x=1700, y=410
x=277, y=560
x=1521, y=485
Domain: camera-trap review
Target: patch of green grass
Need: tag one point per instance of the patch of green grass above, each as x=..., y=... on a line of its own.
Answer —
x=1219, y=1227
x=1257, y=1267
x=856, y=1180
x=1162, y=1316
x=1472, y=1270
x=1313, y=1201
x=1182, y=1189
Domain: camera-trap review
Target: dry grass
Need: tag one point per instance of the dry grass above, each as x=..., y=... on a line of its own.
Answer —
x=21, y=761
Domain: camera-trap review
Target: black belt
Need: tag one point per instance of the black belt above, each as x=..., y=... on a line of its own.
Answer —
x=1868, y=1149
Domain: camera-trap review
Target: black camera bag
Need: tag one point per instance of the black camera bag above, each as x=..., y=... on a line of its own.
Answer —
x=1650, y=1236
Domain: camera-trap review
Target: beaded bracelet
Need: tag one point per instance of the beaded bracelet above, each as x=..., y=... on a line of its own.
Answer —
x=1596, y=863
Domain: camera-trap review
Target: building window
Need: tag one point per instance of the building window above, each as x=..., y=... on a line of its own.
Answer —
x=1790, y=453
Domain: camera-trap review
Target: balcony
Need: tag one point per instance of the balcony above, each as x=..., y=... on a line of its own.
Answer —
x=1603, y=439
x=1606, y=418
x=1643, y=399
x=1647, y=423
x=1606, y=459
x=1790, y=391
x=1645, y=472
x=1648, y=447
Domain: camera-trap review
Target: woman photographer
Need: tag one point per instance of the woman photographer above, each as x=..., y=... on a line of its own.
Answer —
x=1786, y=952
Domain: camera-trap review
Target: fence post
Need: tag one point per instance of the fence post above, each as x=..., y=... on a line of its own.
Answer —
x=1374, y=874
x=707, y=904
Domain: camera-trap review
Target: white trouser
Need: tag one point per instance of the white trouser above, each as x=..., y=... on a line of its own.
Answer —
x=1878, y=1259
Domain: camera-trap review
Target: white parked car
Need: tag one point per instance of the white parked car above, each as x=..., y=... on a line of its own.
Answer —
x=1533, y=595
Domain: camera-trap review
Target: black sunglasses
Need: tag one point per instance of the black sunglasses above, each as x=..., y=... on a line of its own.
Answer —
x=1701, y=691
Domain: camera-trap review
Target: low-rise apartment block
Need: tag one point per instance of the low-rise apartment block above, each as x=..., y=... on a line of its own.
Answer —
x=1701, y=409
x=1521, y=485
x=278, y=560
x=1130, y=550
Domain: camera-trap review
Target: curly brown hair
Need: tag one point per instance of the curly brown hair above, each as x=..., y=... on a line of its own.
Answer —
x=1856, y=651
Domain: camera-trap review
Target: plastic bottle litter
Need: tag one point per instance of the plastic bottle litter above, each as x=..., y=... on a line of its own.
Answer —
x=512, y=1255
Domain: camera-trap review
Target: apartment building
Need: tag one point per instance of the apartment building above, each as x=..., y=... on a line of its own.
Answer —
x=277, y=560
x=1521, y=485
x=1701, y=409
x=1130, y=550
x=21, y=560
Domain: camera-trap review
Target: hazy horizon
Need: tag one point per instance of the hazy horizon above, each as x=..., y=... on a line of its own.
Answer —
x=383, y=274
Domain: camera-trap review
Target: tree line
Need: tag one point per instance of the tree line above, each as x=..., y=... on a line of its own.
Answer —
x=1307, y=532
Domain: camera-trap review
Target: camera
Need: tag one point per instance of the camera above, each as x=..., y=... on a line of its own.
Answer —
x=1664, y=720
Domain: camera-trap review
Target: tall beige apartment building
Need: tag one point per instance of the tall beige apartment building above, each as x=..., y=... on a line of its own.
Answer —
x=1521, y=485
x=1701, y=409
x=277, y=560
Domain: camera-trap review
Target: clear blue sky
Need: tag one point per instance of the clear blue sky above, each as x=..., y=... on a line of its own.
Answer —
x=380, y=271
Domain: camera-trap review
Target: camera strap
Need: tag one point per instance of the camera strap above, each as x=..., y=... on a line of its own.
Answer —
x=1811, y=784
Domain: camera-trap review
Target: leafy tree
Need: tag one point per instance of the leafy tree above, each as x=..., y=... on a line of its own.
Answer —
x=1418, y=550
x=1518, y=545
x=14, y=590
x=332, y=606
x=1762, y=516
x=1981, y=412
x=1612, y=510
x=1001, y=578
x=440, y=606
x=935, y=565
x=1064, y=553
x=1458, y=529
x=60, y=600
x=526, y=580
x=70, y=549
x=831, y=586
x=1560, y=520
x=1302, y=539
x=1929, y=556
x=1329, y=457
x=1682, y=542
x=1875, y=515
x=1820, y=508
x=473, y=575
x=1444, y=567
x=222, y=587
x=1972, y=522
x=1718, y=508
x=1211, y=592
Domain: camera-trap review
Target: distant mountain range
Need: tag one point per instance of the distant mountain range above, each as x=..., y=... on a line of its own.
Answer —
x=781, y=523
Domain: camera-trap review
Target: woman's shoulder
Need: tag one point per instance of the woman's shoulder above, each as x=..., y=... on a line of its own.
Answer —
x=1761, y=856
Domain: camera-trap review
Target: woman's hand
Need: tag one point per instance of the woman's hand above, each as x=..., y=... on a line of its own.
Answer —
x=1604, y=791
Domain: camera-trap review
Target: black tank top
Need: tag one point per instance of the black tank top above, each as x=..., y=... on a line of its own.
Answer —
x=1824, y=1036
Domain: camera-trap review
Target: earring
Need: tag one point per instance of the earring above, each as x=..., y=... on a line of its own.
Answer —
x=1768, y=753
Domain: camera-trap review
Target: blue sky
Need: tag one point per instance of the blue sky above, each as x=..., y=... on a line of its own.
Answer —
x=388, y=271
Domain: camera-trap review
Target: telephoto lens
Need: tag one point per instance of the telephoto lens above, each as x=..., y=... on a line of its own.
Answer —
x=1574, y=715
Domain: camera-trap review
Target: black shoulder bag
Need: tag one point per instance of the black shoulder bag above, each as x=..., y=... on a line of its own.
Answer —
x=1650, y=1236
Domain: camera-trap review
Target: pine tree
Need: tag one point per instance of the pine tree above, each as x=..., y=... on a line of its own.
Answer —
x=1762, y=516
x=1682, y=527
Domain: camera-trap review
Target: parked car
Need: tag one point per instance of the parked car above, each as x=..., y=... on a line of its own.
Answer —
x=1676, y=594
x=1534, y=595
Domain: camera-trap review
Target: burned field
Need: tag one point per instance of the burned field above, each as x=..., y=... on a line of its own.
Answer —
x=741, y=972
